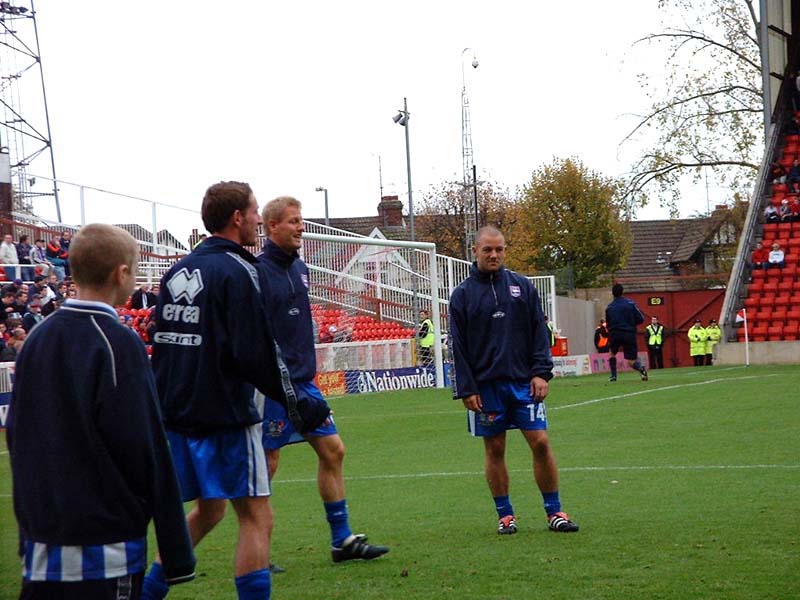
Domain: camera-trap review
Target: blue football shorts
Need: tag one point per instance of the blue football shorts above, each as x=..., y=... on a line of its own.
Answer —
x=278, y=430
x=507, y=405
x=228, y=464
x=625, y=340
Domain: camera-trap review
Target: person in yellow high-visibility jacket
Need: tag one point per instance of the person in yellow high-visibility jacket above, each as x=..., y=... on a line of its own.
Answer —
x=714, y=335
x=655, y=341
x=697, y=343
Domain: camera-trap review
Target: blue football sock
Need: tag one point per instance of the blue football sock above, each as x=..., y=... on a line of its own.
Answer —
x=256, y=585
x=503, y=506
x=154, y=586
x=637, y=365
x=336, y=513
x=552, y=502
x=612, y=364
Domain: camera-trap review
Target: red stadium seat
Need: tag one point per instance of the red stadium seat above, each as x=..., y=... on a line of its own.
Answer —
x=758, y=286
x=772, y=228
x=782, y=300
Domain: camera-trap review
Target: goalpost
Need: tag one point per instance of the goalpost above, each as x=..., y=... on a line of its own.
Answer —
x=366, y=294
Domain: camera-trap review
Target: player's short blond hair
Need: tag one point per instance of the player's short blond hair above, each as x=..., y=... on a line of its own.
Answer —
x=273, y=210
x=98, y=249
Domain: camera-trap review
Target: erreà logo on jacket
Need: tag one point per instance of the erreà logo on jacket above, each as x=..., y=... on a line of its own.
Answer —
x=185, y=285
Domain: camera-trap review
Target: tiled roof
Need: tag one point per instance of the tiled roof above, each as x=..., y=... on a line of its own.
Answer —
x=658, y=246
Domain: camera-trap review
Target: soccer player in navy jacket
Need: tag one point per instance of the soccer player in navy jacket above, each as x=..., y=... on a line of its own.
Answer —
x=622, y=316
x=288, y=304
x=212, y=348
x=89, y=457
x=501, y=352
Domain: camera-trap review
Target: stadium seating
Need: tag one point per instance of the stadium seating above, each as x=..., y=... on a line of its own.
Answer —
x=773, y=295
x=365, y=327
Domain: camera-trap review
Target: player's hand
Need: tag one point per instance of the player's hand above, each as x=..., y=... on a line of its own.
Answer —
x=473, y=402
x=539, y=389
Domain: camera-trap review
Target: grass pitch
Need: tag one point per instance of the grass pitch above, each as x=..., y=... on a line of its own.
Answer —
x=685, y=486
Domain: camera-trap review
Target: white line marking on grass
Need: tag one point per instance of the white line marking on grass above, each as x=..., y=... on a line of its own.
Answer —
x=661, y=389
x=701, y=371
x=3, y=452
x=562, y=469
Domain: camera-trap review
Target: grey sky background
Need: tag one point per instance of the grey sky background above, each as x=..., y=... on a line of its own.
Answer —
x=161, y=99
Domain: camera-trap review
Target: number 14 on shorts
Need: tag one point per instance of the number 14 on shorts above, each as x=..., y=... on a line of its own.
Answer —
x=537, y=412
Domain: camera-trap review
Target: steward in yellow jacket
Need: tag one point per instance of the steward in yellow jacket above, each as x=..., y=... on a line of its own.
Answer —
x=698, y=336
x=714, y=335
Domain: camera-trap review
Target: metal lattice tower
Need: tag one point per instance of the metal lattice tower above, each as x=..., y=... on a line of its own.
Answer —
x=470, y=210
x=24, y=119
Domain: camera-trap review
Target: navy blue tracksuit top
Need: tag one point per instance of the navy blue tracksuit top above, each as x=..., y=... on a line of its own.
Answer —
x=497, y=331
x=214, y=342
x=89, y=456
x=289, y=307
x=622, y=315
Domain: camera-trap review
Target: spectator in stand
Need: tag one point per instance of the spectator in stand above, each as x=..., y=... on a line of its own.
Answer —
x=778, y=173
x=771, y=214
x=793, y=178
x=345, y=334
x=760, y=257
x=8, y=308
x=794, y=207
x=4, y=333
x=34, y=315
x=785, y=212
x=143, y=297
x=697, y=343
x=326, y=335
x=57, y=257
x=776, y=257
x=24, y=256
x=64, y=241
x=8, y=256
x=39, y=258
x=21, y=301
x=14, y=345
x=601, y=337
x=73, y=293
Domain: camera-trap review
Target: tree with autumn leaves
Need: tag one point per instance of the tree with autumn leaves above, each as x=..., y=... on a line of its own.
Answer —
x=566, y=216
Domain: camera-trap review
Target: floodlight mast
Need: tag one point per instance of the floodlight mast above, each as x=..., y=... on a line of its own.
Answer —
x=470, y=181
x=25, y=130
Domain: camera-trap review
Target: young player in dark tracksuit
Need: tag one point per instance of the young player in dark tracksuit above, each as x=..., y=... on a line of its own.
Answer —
x=622, y=316
x=89, y=456
x=289, y=306
x=501, y=353
x=212, y=348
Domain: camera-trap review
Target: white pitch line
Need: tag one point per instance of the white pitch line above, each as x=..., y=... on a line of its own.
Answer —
x=661, y=389
x=584, y=403
x=701, y=371
x=561, y=469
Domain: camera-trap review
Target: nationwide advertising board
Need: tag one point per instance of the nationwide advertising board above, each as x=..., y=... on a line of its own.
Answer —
x=6, y=380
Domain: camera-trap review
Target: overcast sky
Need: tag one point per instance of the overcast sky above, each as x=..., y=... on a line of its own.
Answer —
x=161, y=99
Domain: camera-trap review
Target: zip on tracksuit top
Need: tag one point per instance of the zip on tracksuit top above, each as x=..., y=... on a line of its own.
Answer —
x=290, y=309
x=214, y=342
x=497, y=331
x=89, y=457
